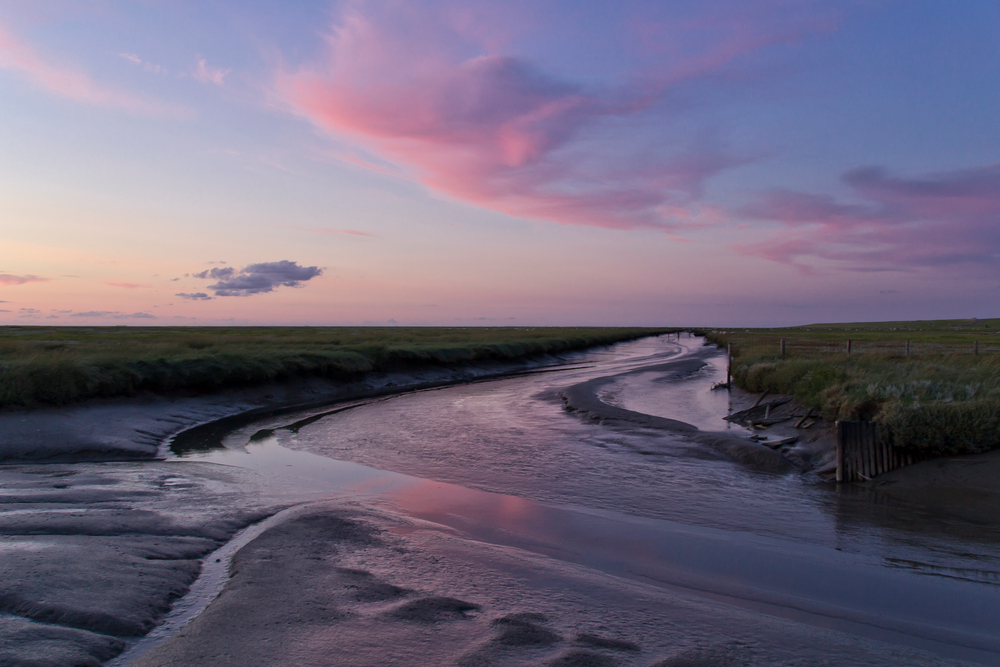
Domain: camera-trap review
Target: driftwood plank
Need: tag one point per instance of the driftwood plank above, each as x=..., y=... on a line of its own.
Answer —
x=760, y=398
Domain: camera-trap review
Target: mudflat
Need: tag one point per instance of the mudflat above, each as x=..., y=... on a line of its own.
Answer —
x=93, y=555
x=98, y=552
x=341, y=585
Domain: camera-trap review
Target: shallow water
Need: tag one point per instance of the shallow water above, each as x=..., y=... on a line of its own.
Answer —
x=504, y=463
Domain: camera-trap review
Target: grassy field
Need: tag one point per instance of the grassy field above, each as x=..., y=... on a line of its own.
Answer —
x=60, y=365
x=941, y=396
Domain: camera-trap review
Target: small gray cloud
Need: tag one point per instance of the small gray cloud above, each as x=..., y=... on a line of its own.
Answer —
x=137, y=316
x=94, y=313
x=217, y=273
x=258, y=278
x=4, y=311
x=194, y=296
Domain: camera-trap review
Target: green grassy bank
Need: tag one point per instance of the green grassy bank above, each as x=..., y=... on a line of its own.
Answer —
x=941, y=397
x=60, y=365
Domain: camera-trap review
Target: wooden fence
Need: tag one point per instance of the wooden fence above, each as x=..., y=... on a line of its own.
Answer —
x=860, y=455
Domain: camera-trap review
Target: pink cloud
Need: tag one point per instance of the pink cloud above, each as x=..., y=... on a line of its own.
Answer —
x=366, y=162
x=207, y=74
x=126, y=285
x=11, y=279
x=497, y=131
x=68, y=82
x=943, y=219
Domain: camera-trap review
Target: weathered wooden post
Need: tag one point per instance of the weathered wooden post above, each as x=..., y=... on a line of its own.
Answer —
x=729, y=365
x=848, y=346
x=782, y=347
x=907, y=347
x=840, y=451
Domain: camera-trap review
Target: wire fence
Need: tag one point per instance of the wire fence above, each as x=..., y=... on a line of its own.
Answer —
x=821, y=346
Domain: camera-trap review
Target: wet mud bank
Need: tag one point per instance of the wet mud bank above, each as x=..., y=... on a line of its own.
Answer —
x=92, y=556
x=584, y=399
x=363, y=587
x=136, y=428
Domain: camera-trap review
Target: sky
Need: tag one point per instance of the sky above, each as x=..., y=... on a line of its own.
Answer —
x=515, y=163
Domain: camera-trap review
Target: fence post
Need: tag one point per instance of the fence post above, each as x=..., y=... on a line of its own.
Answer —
x=907, y=347
x=729, y=365
x=848, y=346
x=975, y=348
x=840, y=451
x=782, y=347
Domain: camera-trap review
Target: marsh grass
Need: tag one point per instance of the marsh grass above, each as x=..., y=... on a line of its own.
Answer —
x=61, y=365
x=941, y=398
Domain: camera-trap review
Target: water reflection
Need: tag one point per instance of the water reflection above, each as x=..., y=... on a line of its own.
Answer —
x=881, y=598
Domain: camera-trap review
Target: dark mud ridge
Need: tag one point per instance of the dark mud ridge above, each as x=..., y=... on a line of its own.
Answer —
x=583, y=399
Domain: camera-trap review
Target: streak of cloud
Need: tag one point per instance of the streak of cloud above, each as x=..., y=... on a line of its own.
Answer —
x=943, y=219
x=114, y=314
x=147, y=66
x=11, y=279
x=336, y=232
x=206, y=74
x=71, y=83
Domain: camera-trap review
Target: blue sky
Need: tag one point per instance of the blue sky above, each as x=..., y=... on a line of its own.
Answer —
x=715, y=163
